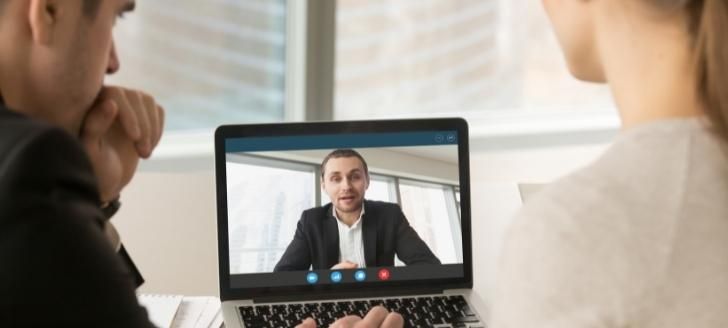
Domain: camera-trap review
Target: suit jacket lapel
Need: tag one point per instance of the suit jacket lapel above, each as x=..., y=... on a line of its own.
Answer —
x=369, y=237
x=331, y=239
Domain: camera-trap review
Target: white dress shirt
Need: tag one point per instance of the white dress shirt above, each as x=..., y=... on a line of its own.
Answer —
x=351, y=245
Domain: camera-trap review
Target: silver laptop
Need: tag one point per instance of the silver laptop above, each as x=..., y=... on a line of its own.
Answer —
x=327, y=219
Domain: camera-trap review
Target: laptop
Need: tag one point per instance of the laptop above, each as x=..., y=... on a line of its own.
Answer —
x=291, y=246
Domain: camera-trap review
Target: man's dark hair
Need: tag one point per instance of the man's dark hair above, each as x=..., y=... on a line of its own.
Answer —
x=339, y=153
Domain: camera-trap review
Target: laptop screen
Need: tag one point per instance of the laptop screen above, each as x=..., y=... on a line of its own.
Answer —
x=327, y=208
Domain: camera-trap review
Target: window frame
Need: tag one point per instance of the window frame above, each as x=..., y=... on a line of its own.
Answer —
x=309, y=96
x=277, y=163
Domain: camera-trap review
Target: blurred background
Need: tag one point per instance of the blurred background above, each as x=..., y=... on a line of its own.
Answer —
x=494, y=62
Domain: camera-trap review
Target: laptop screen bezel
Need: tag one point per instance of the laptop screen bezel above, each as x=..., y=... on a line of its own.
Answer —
x=319, y=128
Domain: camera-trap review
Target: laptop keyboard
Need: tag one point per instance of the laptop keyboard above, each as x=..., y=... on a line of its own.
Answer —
x=435, y=311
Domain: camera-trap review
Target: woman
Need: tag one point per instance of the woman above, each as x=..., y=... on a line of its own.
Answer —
x=639, y=238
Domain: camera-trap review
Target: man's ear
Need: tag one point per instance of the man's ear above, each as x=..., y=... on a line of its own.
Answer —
x=42, y=18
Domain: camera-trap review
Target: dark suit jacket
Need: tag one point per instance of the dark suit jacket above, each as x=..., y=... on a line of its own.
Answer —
x=385, y=232
x=57, y=269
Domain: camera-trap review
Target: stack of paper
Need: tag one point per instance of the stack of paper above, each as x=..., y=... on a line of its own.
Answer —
x=177, y=311
x=161, y=308
x=198, y=312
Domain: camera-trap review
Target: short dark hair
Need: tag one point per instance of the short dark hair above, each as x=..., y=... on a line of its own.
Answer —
x=339, y=153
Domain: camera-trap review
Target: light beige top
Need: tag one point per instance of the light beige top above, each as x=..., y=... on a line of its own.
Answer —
x=637, y=239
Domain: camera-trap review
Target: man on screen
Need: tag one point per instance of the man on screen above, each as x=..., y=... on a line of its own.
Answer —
x=351, y=232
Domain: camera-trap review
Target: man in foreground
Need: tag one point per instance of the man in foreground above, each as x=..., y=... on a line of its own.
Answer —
x=68, y=145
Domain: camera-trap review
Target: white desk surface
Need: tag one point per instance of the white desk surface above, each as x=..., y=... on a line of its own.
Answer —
x=168, y=224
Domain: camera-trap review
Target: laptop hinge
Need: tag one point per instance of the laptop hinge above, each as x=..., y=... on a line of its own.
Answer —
x=363, y=294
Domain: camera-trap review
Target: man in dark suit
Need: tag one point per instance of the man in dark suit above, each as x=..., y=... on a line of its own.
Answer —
x=351, y=232
x=68, y=146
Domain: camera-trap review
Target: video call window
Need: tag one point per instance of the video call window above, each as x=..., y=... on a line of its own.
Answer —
x=259, y=233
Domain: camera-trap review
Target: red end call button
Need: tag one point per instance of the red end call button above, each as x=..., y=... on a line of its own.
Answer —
x=383, y=274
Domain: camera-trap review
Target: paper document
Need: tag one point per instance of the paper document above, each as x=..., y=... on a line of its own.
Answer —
x=177, y=311
x=161, y=308
x=197, y=312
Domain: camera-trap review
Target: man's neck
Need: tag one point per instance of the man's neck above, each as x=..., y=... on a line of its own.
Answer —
x=348, y=218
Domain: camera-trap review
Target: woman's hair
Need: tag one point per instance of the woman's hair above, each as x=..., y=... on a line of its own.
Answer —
x=708, y=23
x=710, y=18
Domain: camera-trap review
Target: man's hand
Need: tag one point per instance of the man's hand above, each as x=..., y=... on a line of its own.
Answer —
x=378, y=317
x=122, y=126
x=344, y=265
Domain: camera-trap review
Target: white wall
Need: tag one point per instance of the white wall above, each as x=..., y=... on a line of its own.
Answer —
x=537, y=165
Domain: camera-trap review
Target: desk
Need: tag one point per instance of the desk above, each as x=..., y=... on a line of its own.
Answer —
x=168, y=224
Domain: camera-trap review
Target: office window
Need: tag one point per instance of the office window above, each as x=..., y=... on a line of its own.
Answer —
x=446, y=57
x=457, y=200
x=430, y=210
x=259, y=233
x=207, y=62
x=382, y=188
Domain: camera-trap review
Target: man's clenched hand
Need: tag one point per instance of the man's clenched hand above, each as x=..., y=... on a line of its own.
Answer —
x=122, y=126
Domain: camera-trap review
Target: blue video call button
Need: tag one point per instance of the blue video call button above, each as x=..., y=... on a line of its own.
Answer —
x=336, y=276
x=312, y=277
x=360, y=275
